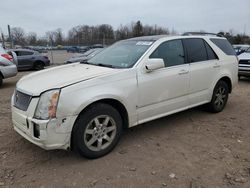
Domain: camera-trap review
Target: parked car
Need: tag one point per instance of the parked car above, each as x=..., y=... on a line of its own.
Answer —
x=76, y=49
x=97, y=46
x=30, y=59
x=7, y=67
x=85, y=106
x=240, y=48
x=244, y=64
x=73, y=49
x=85, y=56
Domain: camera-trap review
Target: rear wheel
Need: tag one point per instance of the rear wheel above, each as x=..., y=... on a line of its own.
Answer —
x=219, y=98
x=97, y=131
x=39, y=65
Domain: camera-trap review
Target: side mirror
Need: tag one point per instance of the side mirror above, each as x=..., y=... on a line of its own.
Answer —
x=154, y=64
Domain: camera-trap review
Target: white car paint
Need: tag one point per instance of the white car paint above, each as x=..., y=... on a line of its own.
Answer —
x=8, y=68
x=145, y=95
x=244, y=63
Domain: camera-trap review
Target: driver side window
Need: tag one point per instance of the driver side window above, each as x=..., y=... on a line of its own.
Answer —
x=171, y=52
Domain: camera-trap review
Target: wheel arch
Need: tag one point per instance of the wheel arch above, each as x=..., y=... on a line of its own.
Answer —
x=1, y=75
x=228, y=82
x=38, y=61
x=119, y=106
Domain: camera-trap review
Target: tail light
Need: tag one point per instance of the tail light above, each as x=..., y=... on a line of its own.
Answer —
x=7, y=56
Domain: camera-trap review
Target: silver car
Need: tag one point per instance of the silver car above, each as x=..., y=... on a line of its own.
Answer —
x=7, y=64
x=85, y=56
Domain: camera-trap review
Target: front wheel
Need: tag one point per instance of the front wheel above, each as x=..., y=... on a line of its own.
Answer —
x=97, y=131
x=219, y=98
x=39, y=66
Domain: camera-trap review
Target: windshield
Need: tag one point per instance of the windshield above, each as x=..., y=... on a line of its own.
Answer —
x=122, y=54
x=88, y=52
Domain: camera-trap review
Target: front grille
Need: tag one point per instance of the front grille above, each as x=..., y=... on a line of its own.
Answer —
x=22, y=100
x=246, y=62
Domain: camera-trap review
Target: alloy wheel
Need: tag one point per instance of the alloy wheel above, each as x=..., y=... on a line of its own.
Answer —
x=100, y=133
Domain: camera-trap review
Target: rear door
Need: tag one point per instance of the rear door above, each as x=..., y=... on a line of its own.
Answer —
x=204, y=68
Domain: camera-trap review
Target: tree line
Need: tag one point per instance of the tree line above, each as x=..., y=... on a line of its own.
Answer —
x=100, y=34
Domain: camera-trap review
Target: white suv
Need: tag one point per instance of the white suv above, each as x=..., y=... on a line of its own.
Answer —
x=85, y=106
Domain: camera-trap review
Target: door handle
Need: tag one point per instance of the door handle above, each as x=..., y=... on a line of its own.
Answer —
x=216, y=66
x=183, y=72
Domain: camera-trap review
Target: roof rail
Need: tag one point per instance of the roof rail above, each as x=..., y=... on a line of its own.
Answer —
x=201, y=33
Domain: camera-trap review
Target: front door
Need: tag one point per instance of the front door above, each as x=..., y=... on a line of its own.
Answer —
x=165, y=90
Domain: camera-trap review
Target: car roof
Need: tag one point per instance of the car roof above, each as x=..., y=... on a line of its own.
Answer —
x=19, y=49
x=157, y=37
x=147, y=38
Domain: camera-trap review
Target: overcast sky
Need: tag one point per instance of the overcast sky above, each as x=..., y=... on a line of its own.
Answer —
x=184, y=15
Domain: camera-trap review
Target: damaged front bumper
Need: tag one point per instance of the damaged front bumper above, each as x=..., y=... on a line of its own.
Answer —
x=47, y=134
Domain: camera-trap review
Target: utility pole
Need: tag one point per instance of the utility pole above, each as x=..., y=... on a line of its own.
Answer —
x=51, y=53
x=3, y=44
x=103, y=40
x=10, y=37
x=3, y=40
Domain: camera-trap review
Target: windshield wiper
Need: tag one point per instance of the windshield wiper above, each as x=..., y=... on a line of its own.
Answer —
x=106, y=65
x=98, y=64
x=85, y=62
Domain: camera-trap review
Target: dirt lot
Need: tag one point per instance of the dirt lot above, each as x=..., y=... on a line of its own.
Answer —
x=191, y=149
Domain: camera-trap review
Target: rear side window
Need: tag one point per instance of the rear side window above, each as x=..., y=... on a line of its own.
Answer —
x=224, y=45
x=210, y=53
x=196, y=50
x=21, y=53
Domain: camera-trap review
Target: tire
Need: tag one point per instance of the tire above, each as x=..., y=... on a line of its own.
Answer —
x=39, y=65
x=97, y=131
x=219, y=98
x=1, y=81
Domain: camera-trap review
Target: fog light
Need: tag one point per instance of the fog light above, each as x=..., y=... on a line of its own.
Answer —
x=36, y=130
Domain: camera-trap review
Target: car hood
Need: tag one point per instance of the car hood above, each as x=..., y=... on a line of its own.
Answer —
x=61, y=76
x=244, y=56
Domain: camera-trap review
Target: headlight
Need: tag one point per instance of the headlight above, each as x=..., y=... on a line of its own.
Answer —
x=47, y=104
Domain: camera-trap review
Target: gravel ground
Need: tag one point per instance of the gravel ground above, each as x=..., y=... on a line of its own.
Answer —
x=190, y=149
x=59, y=56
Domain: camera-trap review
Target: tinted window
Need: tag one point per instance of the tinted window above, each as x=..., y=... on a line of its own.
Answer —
x=196, y=50
x=224, y=45
x=21, y=53
x=36, y=53
x=171, y=52
x=210, y=53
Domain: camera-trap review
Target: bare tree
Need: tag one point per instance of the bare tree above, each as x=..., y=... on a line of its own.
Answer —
x=32, y=38
x=50, y=35
x=138, y=29
x=58, y=36
x=18, y=35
